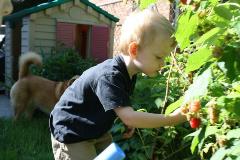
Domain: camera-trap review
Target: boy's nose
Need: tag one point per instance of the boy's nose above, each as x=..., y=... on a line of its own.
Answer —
x=6, y=7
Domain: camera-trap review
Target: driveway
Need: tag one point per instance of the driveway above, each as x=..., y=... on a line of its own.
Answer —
x=6, y=110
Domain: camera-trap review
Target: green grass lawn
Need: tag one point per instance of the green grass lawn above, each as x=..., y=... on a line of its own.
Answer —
x=25, y=139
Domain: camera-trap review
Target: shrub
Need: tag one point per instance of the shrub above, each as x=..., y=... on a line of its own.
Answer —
x=62, y=65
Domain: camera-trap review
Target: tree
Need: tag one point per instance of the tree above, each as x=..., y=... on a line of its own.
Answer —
x=23, y=4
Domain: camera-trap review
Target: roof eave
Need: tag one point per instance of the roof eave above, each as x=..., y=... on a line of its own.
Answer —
x=43, y=6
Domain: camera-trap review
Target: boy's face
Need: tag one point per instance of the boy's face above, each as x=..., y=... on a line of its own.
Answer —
x=150, y=59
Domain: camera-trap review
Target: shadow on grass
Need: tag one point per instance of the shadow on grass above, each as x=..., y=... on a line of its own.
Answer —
x=25, y=139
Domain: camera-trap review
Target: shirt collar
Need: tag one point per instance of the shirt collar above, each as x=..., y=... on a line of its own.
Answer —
x=123, y=68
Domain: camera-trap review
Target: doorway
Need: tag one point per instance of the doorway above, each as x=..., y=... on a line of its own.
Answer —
x=81, y=39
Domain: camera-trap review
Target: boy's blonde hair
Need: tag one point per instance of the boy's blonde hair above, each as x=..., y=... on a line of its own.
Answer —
x=143, y=27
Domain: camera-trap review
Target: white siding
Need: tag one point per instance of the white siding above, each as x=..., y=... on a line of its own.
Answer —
x=43, y=34
x=8, y=55
x=25, y=45
x=43, y=24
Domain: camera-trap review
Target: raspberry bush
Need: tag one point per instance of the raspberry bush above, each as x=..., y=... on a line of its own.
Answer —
x=206, y=68
x=210, y=34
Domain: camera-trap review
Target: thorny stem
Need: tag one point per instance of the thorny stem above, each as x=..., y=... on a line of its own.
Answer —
x=177, y=66
x=178, y=150
x=166, y=93
x=168, y=81
x=139, y=133
x=174, y=63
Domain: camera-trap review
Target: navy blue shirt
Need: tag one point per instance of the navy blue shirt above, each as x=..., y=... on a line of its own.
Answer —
x=85, y=110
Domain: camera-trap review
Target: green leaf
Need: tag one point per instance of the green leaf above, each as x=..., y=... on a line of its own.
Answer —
x=210, y=37
x=237, y=28
x=221, y=65
x=200, y=135
x=174, y=106
x=197, y=59
x=223, y=152
x=230, y=103
x=195, y=141
x=213, y=2
x=235, y=150
x=193, y=134
x=220, y=22
x=198, y=140
x=235, y=106
x=231, y=62
x=206, y=131
x=159, y=102
x=145, y=3
x=186, y=27
x=233, y=133
x=220, y=154
x=194, y=144
x=216, y=89
x=211, y=130
x=199, y=86
x=224, y=12
x=182, y=38
x=236, y=86
x=235, y=1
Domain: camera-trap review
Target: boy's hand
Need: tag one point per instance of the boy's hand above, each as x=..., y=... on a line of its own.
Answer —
x=129, y=132
x=180, y=113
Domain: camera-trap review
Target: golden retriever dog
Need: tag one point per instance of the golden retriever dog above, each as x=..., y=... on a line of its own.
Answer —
x=31, y=92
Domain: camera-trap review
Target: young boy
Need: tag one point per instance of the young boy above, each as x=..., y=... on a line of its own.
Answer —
x=81, y=119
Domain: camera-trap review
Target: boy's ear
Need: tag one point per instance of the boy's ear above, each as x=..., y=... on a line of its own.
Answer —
x=133, y=47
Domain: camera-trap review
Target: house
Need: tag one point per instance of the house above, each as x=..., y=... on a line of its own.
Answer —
x=78, y=24
x=122, y=9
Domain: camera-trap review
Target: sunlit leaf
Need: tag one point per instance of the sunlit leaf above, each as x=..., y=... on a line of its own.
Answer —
x=159, y=102
x=186, y=27
x=197, y=59
x=211, y=130
x=198, y=140
x=194, y=144
x=193, y=134
x=174, y=106
x=220, y=154
x=230, y=62
x=210, y=37
x=235, y=150
x=237, y=28
x=236, y=86
x=199, y=86
x=214, y=2
x=224, y=12
x=145, y=3
x=235, y=1
x=231, y=103
x=235, y=133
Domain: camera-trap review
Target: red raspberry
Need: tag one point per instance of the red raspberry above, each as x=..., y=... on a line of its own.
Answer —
x=195, y=106
x=183, y=1
x=195, y=122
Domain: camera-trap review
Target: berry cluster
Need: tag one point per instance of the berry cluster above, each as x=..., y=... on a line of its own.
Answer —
x=191, y=110
x=212, y=111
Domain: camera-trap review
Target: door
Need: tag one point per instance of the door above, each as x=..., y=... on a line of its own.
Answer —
x=99, y=43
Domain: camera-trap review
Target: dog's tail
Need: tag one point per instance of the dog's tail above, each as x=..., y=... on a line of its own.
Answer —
x=26, y=60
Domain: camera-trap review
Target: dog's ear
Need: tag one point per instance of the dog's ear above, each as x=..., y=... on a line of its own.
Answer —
x=72, y=80
x=60, y=88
